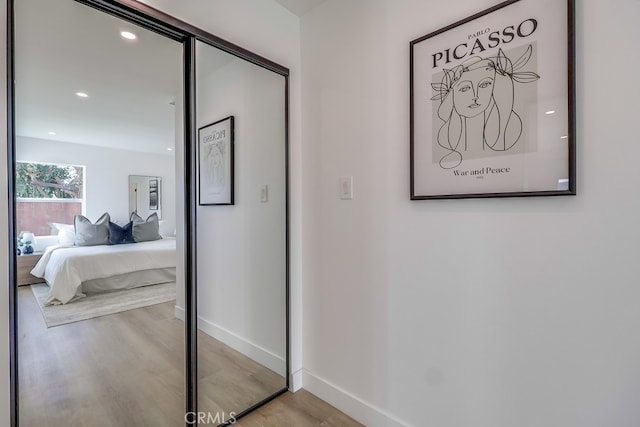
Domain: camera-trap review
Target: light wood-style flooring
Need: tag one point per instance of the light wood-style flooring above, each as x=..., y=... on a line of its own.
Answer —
x=126, y=369
x=299, y=409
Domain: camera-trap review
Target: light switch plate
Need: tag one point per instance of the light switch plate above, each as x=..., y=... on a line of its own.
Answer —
x=346, y=188
x=264, y=194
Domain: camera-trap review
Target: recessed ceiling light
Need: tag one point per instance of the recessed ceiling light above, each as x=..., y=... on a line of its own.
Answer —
x=169, y=149
x=82, y=94
x=564, y=137
x=52, y=133
x=550, y=112
x=128, y=35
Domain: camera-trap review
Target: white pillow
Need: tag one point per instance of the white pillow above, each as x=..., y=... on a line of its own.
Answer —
x=66, y=233
x=43, y=242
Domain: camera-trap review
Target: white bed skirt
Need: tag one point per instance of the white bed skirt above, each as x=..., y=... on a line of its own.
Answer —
x=132, y=280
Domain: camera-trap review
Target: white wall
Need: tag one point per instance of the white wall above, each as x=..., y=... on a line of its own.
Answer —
x=500, y=312
x=241, y=248
x=107, y=175
x=179, y=200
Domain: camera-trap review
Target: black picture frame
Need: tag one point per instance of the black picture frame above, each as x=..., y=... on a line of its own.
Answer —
x=492, y=104
x=216, y=163
x=153, y=195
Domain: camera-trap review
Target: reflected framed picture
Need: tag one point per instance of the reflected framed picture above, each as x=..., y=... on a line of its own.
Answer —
x=215, y=163
x=493, y=104
x=153, y=194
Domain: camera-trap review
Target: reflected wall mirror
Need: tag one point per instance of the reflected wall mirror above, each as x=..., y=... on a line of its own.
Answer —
x=145, y=195
x=216, y=342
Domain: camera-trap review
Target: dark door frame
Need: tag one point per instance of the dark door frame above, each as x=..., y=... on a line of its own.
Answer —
x=168, y=26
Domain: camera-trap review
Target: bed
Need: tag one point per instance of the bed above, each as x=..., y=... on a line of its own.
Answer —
x=73, y=271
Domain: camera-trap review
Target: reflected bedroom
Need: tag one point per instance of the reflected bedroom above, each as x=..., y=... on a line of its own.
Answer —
x=96, y=219
x=100, y=225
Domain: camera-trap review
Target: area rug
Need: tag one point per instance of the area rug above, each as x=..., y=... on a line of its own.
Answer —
x=97, y=305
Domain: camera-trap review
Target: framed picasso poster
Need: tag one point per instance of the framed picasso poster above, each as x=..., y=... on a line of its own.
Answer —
x=215, y=163
x=493, y=104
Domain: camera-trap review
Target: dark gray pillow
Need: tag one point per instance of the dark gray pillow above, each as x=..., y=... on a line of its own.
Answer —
x=145, y=230
x=120, y=235
x=88, y=234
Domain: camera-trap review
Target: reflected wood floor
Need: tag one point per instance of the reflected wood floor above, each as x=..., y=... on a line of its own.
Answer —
x=126, y=369
x=299, y=409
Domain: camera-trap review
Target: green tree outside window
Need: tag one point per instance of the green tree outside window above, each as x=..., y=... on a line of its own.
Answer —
x=48, y=181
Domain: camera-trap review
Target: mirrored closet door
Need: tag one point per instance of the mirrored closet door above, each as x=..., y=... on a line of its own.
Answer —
x=151, y=169
x=99, y=342
x=242, y=232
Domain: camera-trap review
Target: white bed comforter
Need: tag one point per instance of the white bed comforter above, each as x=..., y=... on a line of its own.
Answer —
x=65, y=268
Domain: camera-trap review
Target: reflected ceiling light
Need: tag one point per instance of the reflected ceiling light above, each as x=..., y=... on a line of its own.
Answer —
x=128, y=35
x=52, y=133
x=82, y=94
x=550, y=112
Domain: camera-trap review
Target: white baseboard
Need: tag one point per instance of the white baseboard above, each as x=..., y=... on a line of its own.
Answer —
x=179, y=313
x=346, y=402
x=296, y=381
x=241, y=344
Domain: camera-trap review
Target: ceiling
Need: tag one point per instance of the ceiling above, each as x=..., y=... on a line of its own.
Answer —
x=300, y=7
x=63, y=47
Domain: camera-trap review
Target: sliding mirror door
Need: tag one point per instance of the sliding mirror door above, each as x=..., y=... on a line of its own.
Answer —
x=241, y=233
x=99, y=342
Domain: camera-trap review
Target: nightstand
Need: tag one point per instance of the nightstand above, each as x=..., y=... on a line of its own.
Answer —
x=25, y=265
